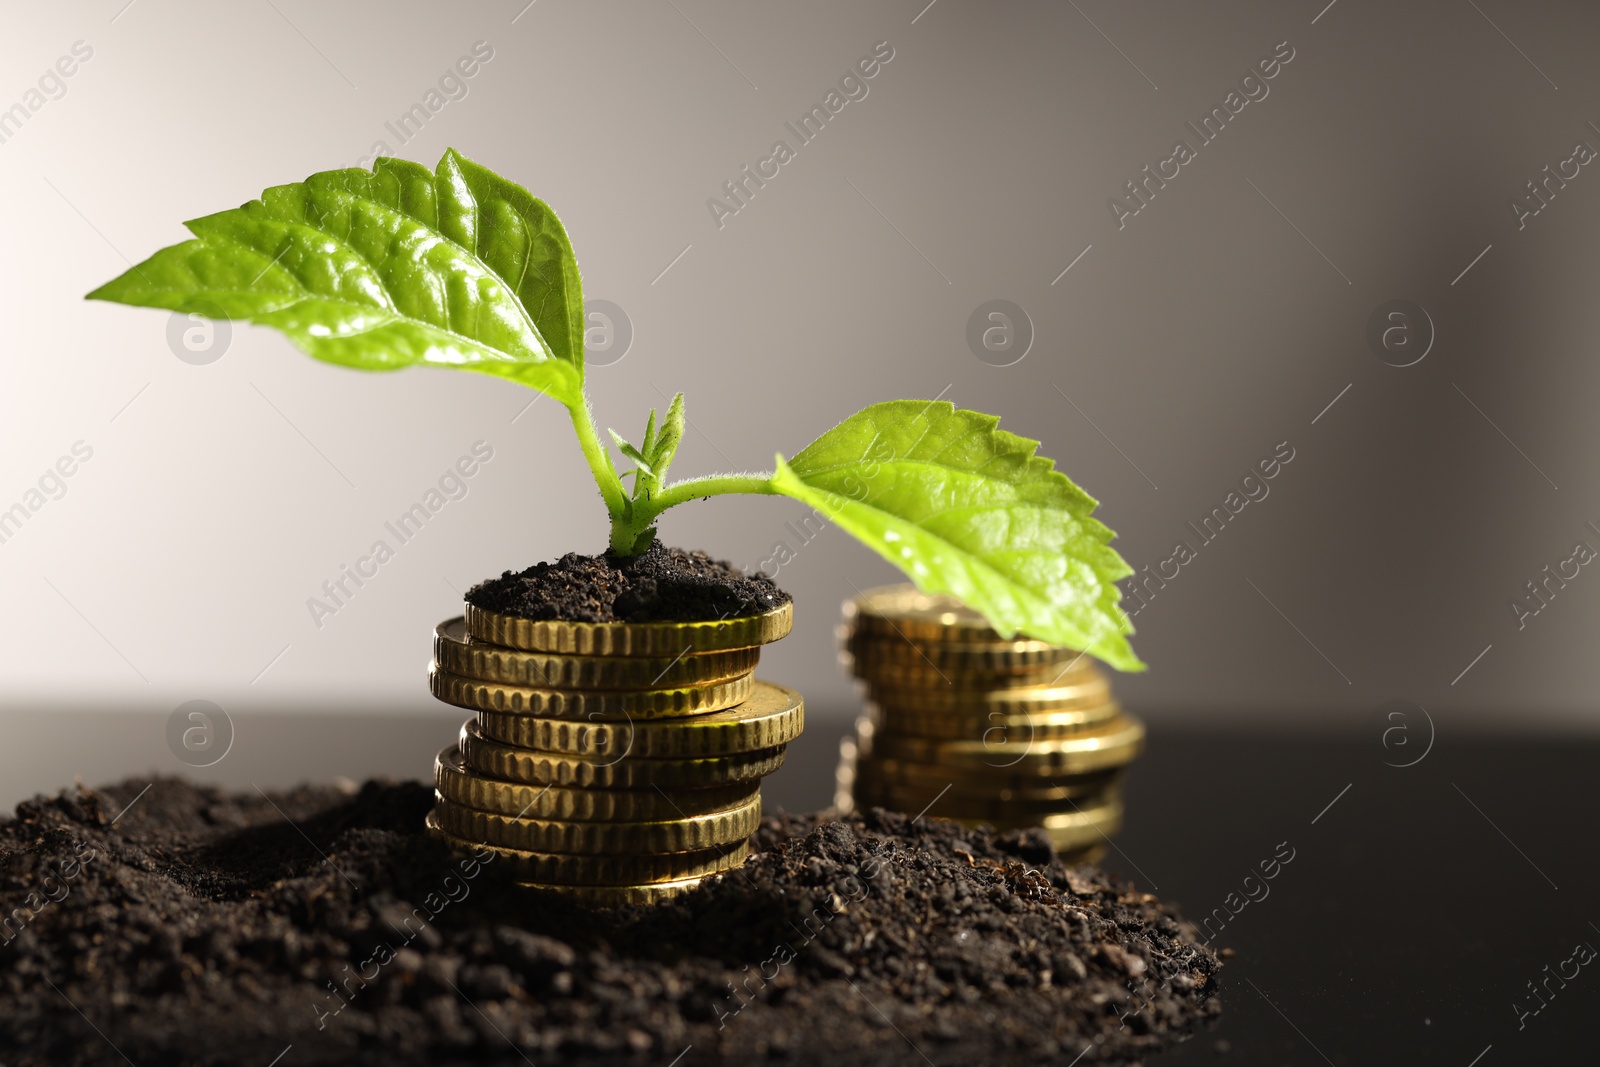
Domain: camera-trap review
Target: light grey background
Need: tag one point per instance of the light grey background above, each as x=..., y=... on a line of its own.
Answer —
x=1175, y=353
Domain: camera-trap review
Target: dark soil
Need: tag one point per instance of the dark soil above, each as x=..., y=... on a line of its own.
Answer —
x=659, y=585
x=208, y=928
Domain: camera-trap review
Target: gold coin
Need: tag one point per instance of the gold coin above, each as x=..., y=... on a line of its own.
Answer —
x=1091, y=691
x=1072, y=834
x=997, y=815
x=773, y=715
x=928, y=781
x=562, y=868
x=454, y=781
x=866, y=730
x=1114, y=745
x=555, y=835
x=929, y=677
x=611, y=896
x=587, y=704
x=630, y=638
x=905, y=611
x=1071, y=830
x=457, y=652
x=528, y=767
x=1017, y=656
x=993, y=727
x=844, y=775
x=860, y=759
x=967, y=800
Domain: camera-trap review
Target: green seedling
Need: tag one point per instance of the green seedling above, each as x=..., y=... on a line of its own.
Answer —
x=458, y=267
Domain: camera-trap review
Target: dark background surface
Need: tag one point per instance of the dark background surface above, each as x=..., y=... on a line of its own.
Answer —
x=1415, y=910
x=1419, y=903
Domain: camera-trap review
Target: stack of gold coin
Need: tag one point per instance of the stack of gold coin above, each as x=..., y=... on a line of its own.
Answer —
x=612, y=762
x=964, y=724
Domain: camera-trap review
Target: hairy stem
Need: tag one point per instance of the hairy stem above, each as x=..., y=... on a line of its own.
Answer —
x=594, y=452
x=710, y=485
x=626, y=531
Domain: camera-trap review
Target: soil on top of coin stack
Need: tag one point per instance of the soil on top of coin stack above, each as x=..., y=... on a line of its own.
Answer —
x=202, y=927
x=660, y=584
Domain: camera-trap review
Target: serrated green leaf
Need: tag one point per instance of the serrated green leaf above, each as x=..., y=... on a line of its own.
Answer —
x=967, y=509
x=367, y=269
x=514, y=233
x=523, y=241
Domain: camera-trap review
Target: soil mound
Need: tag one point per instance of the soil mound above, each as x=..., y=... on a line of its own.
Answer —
x=659, y=585
x=202, y=927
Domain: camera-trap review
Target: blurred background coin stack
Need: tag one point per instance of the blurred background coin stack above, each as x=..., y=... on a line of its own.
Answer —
x=612, y=762
x=964, y=724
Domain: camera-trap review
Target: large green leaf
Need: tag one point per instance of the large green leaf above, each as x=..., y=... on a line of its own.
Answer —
x=523, y=241
x=388, y=268
x=967, y=509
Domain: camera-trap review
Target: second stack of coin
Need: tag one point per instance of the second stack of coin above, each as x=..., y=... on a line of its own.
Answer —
x=614, y=762
x=964, y=724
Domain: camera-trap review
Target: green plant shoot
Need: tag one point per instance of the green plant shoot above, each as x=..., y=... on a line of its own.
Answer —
x=458, y=267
